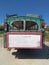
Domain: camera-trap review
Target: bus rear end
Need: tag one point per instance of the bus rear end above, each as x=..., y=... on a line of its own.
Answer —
x=23, y=34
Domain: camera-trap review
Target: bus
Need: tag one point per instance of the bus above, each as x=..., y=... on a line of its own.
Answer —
x=23, y=32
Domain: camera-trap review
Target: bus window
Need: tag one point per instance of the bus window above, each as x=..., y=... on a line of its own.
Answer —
x=24, y=26
x=16, y=26
x=31, y=26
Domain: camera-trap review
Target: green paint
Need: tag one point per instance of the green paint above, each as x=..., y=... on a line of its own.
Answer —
x=27, y=18
x=21, y=18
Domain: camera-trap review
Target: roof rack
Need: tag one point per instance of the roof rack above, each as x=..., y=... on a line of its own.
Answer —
x=13, y=15
x=34, y=15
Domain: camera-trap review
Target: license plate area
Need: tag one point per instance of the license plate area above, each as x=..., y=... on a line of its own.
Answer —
x=24, y=40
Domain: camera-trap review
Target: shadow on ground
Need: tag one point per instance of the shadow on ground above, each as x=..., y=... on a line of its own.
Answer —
x=33, y=54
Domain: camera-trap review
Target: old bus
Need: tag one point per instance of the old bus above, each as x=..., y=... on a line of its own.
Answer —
x=23, y=32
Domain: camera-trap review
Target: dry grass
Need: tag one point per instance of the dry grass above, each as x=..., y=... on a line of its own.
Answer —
x=1, y=34
x=46, y=36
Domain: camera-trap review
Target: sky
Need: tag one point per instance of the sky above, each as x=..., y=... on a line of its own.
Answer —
x=24, y=7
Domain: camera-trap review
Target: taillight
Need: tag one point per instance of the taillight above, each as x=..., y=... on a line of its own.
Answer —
x=43, y=24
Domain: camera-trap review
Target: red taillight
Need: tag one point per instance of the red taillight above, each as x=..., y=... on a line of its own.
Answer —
x=43, y=24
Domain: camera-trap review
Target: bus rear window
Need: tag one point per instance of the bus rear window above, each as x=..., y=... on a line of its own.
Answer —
x=24, y=26
x=16, y=26
x=32, y=26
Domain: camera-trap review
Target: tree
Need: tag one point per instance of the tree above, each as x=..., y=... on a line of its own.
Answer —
x=1, y=28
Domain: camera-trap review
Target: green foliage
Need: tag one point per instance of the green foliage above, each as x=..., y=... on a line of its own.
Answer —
x=1, y=28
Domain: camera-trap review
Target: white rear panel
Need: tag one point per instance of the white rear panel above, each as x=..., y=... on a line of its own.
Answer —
x=24, y=40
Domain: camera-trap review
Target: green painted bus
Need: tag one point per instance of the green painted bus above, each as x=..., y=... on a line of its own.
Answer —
x=23, y=32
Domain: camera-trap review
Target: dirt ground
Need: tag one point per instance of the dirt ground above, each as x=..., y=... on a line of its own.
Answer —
x=24, y=57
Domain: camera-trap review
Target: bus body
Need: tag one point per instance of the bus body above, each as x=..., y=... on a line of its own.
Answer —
x=23, y=32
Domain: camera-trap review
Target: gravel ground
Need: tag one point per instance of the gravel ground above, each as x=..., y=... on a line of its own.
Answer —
x=24, y=57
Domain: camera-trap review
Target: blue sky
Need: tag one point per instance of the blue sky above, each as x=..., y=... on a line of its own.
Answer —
x=23, y=7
